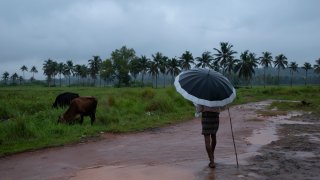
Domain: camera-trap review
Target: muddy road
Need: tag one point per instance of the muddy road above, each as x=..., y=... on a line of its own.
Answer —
x=173, y=152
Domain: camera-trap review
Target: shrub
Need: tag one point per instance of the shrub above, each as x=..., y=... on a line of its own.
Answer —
x=162, y=105
x=148, y=94
x=111, y=101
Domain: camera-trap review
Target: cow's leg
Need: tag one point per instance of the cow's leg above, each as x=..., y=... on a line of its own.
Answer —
x=93, y=118
x=81, y=121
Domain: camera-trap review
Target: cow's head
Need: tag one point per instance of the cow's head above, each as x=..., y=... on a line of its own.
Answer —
x=61, y=119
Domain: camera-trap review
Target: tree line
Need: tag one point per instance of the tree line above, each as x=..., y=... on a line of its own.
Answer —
x=124, y=66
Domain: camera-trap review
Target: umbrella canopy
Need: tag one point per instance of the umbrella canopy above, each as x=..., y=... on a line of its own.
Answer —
x=205, y=87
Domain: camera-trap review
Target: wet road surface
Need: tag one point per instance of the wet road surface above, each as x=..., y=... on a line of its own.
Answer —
x=173, y=152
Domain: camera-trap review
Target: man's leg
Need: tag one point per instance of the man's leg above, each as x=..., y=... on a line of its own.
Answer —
x=213, y=144
x=207, y=141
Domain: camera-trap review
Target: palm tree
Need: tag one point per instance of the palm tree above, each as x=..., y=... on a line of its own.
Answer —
x=293, y=68
x=68, y=69
x=77, y=72
x=23, y=69
x=54, y=67
x=154, y=71
x=306, y=66
x=60, y=70
x=134, y=67
x=94, y=67
x=33, y=70
x=246, y=65
x=280, y=63
x=173, y=68
x=157, y=58
x=144, y=65
x=186, y=60
x=48, y=70
x=84, y=71
x=265, y=61
x=316, y=67
x=5, y=77
x=225, y=56
x=14, y=77
x=163, y=68
x=205, y=60
x=20, y=79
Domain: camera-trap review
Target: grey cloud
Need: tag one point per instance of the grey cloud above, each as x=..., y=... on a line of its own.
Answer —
x=36, y=30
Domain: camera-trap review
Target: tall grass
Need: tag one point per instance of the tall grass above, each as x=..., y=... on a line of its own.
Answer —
x=28, y=122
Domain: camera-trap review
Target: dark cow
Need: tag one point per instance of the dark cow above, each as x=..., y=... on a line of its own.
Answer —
x=64, y=99
x=81, y=106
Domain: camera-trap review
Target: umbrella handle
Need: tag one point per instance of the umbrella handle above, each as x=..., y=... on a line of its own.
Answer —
x=234, y=144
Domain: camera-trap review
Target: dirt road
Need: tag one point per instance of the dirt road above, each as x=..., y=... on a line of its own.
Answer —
x=173, y=152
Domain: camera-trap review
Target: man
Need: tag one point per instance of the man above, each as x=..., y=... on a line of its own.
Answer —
x=210, y=125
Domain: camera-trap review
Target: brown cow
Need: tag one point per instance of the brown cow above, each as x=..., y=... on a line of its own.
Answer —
x=81, y=106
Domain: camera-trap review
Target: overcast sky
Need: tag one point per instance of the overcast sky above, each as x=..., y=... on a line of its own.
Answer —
x=31, y=31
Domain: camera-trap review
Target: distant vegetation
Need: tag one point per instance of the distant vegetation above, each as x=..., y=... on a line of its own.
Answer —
x=28, y=122
x=125, y=68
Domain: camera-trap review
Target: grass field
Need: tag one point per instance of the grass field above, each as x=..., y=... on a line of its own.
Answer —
x=28, y=122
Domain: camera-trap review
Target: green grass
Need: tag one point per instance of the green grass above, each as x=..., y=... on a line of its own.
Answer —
x=28, y=122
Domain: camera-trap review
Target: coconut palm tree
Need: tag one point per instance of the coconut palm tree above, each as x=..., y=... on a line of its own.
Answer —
x=246, y=65
x=77, y=72
x=293, y=68
x=225, y=56
x=14, y=77
x=157, y=58
x=84, y=71
x=60, y=70
x=163, y=68
x=316, y=67
x=205, y=60
x=153, y=71
x=134, y=67
x=23, y=69
x=280, y=63
x=48, y=70
x=144, y=65
x=186, y=60
x=94, y=67
x=20, y=79
x=68, y=70
x=5, y=77
x=33, y=70
x=265, y=61
x=306, y=66
x=173, y=68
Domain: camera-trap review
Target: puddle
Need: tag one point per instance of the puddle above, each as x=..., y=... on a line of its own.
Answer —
x=268, y=134
x=263, y=136
x=137, y=172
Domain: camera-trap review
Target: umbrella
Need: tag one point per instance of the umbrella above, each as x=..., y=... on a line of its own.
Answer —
x=206, y=87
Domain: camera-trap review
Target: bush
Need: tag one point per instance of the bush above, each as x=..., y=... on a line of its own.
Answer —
x=148, y=94
x=111, y=101
x=161, y=105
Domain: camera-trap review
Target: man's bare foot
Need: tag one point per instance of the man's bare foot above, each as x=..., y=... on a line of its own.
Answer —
x=212, y=165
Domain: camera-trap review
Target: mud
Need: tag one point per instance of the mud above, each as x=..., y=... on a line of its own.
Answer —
x=295, y=155
x=267, y=149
